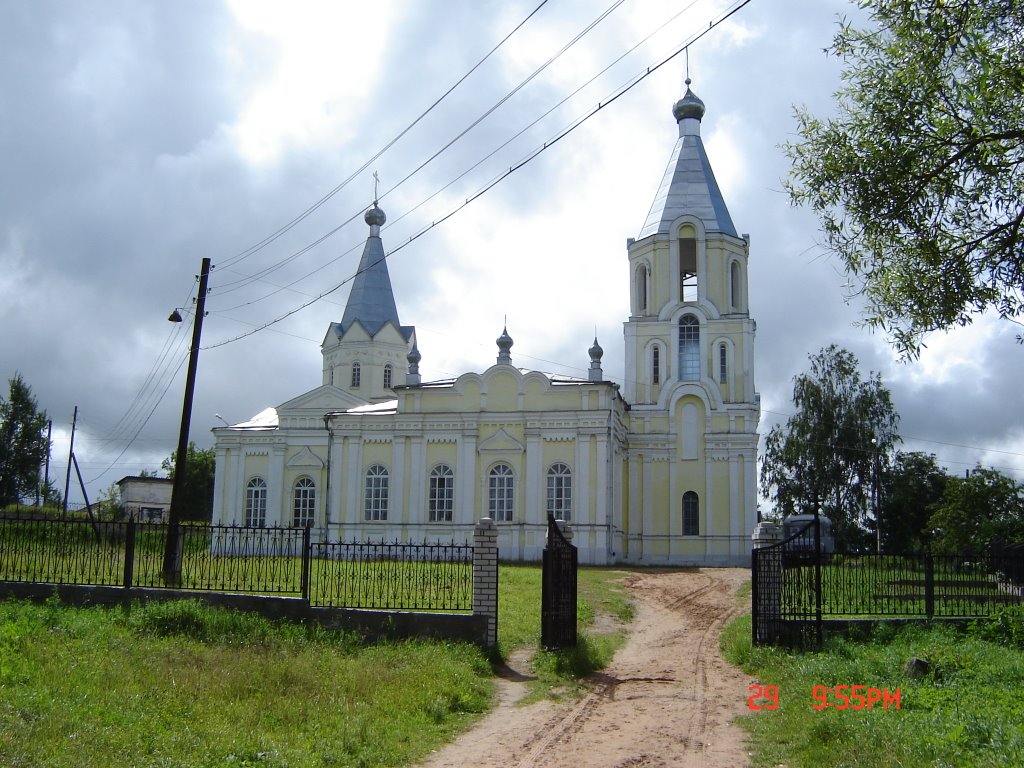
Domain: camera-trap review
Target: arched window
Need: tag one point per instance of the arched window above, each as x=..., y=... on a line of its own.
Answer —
x=691, y=514
x=375, y=500
x=560, y=492
x=357, y=375
x=441, y=501
x=641, y=289
x=723, y=364
x=256, y=503
x=303, y=502
x=387, y=376
x=656, y=365
x=500, y=485
x=689, y=348
x=687, y=265
x=736, y=287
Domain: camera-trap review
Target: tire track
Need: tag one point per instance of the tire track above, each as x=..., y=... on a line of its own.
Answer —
x=667, y=699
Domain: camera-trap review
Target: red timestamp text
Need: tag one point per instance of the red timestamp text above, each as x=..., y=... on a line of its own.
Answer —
x=853, y=697
x=856, y=697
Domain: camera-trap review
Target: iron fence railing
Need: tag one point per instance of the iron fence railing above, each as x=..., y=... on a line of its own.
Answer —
x=270, y=561
x=381, y=575
x=795, y=586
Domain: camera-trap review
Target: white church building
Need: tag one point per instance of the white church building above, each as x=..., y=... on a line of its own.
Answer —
x=662, y=471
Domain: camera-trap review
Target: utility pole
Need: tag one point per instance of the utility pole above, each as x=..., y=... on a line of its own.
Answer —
x=172, y=546
x=71, y=456
x=46, y=470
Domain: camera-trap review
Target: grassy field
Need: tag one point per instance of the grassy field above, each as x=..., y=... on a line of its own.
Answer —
x=178, y=684
x=966, y=711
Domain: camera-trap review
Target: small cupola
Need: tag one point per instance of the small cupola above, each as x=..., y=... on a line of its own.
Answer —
x=504, y=343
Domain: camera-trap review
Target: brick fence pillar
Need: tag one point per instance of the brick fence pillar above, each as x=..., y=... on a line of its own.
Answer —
x=485, y=576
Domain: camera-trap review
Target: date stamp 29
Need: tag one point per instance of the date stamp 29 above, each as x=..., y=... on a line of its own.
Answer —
x=841, y=697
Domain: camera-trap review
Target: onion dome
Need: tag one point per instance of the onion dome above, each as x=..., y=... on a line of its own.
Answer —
x=688, y=106
x=504, y=343
x=596, y=353
x=375, y=216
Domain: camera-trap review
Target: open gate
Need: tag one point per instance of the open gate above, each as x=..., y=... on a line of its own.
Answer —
x=558, y=590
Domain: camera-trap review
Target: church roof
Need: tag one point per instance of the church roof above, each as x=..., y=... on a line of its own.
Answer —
x=688, y=186
x=371, y=302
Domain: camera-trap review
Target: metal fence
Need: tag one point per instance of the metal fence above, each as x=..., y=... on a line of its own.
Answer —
x=237, y=559
x=796, y=588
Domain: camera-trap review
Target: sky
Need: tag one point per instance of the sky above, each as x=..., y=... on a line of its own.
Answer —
x=139, y=137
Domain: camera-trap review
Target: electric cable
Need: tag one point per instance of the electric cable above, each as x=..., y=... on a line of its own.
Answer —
x=501, y=177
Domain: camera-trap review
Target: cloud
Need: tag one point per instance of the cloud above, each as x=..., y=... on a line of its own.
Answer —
x=141, y=136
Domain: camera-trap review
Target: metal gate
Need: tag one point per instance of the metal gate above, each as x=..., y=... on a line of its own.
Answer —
x=786, y=590
x=558, y=591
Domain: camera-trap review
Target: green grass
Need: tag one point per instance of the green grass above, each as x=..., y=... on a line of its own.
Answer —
x=178, y=684
x=966, y=712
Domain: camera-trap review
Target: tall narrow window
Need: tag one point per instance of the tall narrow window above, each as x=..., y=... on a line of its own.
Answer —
x=691, y=514
x=560, y=492
x=375, y=500
x=500, y=484
x=723, y=367
x=641, y=289
x=688, y=268
x=656, y=365
x=387, y=376
x=689, y=348
x=736, y=287
x=357, y=375
x=303, y=502
x=256, y=503
x=441, y=502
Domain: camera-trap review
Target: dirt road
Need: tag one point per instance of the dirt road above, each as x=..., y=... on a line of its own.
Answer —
x=667, y=699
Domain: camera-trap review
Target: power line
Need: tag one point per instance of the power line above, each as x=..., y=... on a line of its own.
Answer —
x=501, y=177
x=275, y=235
x=579, y=36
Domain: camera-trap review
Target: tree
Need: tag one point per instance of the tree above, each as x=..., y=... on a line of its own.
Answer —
x=912, y=490
x=197, y=503
x=23, y=443
x=919, y=180
x=978, y=509
x=833, y=448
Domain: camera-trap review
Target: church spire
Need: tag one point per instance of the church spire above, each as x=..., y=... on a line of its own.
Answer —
x=688, y=185
x=371, y=301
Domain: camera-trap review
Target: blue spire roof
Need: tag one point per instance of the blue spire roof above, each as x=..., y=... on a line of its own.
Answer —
x=689, y=185
x=371, y=302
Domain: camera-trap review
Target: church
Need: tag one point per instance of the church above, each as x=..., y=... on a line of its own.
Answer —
x=660, y=471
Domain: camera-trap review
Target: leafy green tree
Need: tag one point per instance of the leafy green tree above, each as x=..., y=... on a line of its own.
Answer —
x=23, y=443
x=198, y=489
x=833, y=448
x=919, y=179
x=912, y=490
x=978, y=509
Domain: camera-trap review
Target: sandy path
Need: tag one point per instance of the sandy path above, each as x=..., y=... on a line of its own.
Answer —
x=667, y=699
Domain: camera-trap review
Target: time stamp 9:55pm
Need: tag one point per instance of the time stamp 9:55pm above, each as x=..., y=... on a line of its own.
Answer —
x=855, y=697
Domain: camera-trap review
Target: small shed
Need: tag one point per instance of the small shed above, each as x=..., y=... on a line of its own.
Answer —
x=147, y=499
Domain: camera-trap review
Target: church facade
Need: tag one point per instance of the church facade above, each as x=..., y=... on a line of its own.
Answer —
x=659, y=471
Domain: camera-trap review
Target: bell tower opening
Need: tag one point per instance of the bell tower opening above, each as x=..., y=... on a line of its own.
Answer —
x=687, y=264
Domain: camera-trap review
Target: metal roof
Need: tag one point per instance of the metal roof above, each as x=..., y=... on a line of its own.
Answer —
x=688, y=187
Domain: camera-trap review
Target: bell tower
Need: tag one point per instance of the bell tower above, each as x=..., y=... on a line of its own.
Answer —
x=367, y=352
x=689, y=344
